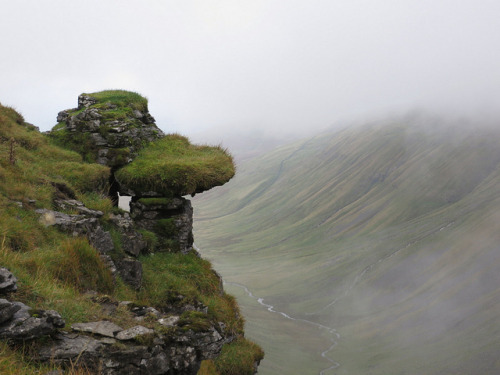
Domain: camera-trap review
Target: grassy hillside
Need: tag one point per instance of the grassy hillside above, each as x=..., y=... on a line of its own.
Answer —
x=64, y=273
x=388, y=233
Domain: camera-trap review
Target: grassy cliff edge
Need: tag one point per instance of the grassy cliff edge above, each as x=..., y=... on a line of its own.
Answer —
x=57, y=271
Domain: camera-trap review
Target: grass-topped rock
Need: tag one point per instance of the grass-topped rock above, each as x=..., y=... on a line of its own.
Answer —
x=107, y=127
x=120, y=98
x=75, y=262
x=172, y=166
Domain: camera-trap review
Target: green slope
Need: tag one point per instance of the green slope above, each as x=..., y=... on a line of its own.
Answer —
x=389, y=233
x=57, y=271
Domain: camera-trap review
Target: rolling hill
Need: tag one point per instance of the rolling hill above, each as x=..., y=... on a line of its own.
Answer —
x=380, y=244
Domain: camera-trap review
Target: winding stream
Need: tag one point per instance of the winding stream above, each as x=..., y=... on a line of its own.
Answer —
x=335, y=335
x=331, y=331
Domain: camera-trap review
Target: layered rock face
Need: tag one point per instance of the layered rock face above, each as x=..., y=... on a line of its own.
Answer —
x=180, y=314
x=111, y=128
x=112, y=134
x=170, y=218
x=106, y=348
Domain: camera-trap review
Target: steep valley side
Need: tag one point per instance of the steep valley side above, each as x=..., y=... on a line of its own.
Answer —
x=388, y=233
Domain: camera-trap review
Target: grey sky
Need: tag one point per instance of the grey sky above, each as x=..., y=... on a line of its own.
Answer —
x=269, y=65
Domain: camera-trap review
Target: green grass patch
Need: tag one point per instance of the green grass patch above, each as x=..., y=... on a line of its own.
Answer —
x=173, y=166
x=194, y=320
x=170, y=278
x=148, y=202
x=207, y=368
x=56, y=270
x=238, y=358
x=150, y=238
x=29, y=162
x=97, y=201
x=170, y=274
x=82, y=143
x=121, y=98
x=166, y=227
x=77, y=263
x=225, y=308
x=43, y=284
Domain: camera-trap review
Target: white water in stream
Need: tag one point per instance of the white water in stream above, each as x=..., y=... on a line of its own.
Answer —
x=335, y=335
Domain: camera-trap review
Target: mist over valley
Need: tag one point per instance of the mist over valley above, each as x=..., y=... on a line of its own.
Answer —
x=377, y=246
x=360, y=233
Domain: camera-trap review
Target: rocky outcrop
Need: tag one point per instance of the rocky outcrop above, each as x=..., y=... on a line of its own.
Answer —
x=19, y=322
x=7, y=281
x=130, y=271
x=133, y=242
x=113, y=133
x=111, y=128
x=172, y=344
x=170, y=219
x=115, y=129
x=87, y=224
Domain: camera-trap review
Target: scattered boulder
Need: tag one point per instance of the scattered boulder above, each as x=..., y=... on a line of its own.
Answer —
x=85, y=101
x=7, y=310
x=141, y=311
x=85, y=224
x=74, y=224
x=156, y=365
x=7, y=281
x=108, y=262
x=27, y=324
x=72, y=348
x=101, y=240
x=169, y=321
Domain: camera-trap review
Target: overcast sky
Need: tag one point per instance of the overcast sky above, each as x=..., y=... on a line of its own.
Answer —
x=271, y=65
